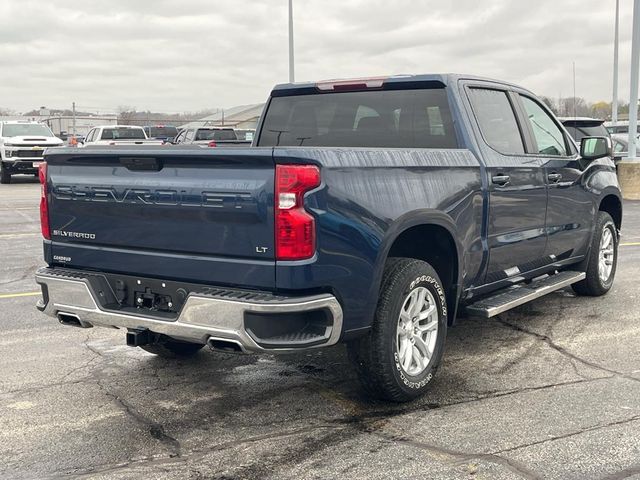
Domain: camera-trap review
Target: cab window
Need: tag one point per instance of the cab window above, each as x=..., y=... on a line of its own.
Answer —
x=497, y=120
x=549, y=138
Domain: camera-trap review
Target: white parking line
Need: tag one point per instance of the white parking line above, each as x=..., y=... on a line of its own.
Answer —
x=21, y=294
x=19, y=235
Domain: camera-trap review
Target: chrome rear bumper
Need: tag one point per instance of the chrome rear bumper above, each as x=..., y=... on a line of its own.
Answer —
x=202, y=317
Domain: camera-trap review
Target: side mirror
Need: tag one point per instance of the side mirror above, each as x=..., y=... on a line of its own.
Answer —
x=592, y=148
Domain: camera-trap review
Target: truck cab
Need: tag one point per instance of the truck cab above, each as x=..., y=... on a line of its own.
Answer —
x=22, y=146
x=118, y=135
x=367, y=211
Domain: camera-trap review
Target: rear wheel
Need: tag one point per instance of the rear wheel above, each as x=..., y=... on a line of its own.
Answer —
x=600, y=267
x=5, y=176
x=169, y=348
x=399, y=357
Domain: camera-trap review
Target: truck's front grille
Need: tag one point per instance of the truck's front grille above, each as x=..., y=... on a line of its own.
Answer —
x=29, y=153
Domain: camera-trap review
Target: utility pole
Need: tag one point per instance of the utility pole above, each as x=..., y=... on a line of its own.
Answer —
x=292, y=76
x=629, y=168
x=73, y=105
x=614, y=103
x=635, y=71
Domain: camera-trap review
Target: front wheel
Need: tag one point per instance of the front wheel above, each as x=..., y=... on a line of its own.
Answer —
x=5, y=176
x=600, y=267
x=399, y=357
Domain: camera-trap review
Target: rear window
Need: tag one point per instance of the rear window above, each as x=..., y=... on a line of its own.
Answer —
x=122, y=134
x=162, y=132
x=218, y=134
x=388, y=118
x=580, y=130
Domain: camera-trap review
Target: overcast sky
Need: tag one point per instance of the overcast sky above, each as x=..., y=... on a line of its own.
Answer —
x=187, y=55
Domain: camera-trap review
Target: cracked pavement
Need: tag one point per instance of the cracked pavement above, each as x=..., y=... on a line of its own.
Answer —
x=549, y=390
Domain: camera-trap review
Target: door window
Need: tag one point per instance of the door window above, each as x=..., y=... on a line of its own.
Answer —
x=497, y=120
x=180, y=137
x=547, y=133
x=189, y=136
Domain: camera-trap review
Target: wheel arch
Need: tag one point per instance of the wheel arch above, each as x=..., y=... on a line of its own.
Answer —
x=442, y=251
x=612, y=204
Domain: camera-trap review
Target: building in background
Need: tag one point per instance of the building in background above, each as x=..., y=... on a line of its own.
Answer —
x=62, y=125
x=19, y=118
x=244, y=117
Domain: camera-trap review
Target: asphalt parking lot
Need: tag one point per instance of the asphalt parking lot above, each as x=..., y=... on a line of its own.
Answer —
x=549, y=390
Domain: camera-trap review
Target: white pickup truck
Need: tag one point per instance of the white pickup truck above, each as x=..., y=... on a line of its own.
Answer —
x=118, y=135
x=22, y=144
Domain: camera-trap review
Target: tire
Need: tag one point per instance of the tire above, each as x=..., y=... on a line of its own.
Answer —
x=595, y=285
x=5, y=177
x=169, y=348
x=379, y=356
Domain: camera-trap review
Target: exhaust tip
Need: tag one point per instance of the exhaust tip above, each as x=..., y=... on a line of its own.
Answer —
x=72, y=320
x=225, y=345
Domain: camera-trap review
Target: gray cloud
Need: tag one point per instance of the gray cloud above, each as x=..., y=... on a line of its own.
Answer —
x=194, y=54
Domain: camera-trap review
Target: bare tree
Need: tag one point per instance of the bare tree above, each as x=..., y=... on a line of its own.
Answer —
x=126, y=114
x=574, y=107
x=549, y=102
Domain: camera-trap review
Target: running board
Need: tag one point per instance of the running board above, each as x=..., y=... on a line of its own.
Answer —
x=520, y=294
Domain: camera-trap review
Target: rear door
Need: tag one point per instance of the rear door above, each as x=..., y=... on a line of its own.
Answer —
x=517, y=187
x=570, y=208
x=194, y=215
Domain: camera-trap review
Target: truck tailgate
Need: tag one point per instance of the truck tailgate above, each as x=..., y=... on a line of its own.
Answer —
x=201, y=215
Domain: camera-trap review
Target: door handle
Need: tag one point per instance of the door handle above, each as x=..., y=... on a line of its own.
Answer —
x=554, y=177
x=500, y=179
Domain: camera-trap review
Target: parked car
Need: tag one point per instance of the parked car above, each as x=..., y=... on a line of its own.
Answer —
x=621, y=145
x=70, y=139
x=621, y=126
x=22, y=145
x=369, y=211
x=118, y=135
x=210, y=137
x=581, y=127
x=166, y=133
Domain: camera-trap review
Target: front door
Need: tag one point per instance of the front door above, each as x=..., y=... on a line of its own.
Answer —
x=516, y=236
x=570, y=209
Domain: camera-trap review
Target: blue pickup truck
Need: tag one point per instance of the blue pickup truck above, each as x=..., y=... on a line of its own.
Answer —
x=367, y=211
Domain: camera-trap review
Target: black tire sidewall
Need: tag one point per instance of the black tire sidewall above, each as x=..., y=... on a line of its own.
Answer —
x=592, y=285
x=5, y=176
x=607, y=223
x=418, y=274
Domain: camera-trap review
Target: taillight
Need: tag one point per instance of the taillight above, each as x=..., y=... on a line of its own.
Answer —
x=295, y=227
x=212, y=143
x=351, y=84
x=44, y=206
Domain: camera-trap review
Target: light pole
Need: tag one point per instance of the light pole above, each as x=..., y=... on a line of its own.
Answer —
x=614, y=103
x=635, y=71
x=629, y=168
x=291, y=67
